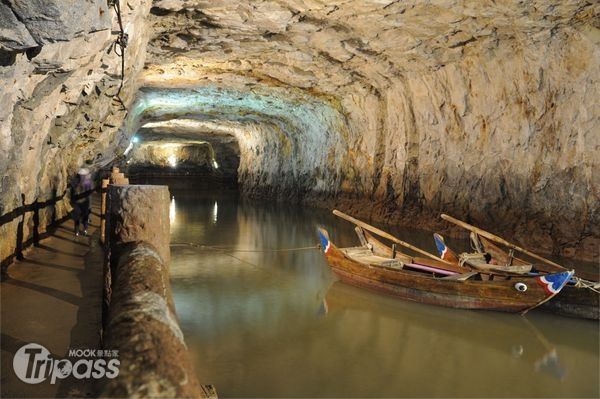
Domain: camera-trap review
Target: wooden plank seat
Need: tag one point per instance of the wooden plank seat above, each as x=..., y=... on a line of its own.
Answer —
x=365, y=255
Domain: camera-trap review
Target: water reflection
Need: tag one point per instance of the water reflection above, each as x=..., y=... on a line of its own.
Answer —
x=506, y=335
x=276, y=324
x=215, y=213
x=172, y=212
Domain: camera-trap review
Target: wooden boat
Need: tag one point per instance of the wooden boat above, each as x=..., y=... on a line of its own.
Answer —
x=580, y=297
x=436, y=284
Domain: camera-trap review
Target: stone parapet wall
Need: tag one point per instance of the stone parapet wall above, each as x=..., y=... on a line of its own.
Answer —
x=140, y=320
x=143, y=327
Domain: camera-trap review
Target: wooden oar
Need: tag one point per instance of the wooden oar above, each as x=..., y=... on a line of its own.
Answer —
x=497, y=239
x=386, y=235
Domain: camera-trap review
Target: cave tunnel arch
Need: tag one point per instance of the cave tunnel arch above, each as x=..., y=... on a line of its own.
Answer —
x=286, y=143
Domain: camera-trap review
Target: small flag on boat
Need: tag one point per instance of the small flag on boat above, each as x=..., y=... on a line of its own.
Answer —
x=325, y=243
x=445, y=252
x=553, y=283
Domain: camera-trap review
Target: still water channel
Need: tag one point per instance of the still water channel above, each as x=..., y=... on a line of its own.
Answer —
x=262, y=323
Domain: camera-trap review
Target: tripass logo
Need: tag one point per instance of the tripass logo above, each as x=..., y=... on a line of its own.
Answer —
x=33, y=364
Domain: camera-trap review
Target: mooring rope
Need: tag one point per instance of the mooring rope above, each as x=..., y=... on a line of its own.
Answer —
x=581, y=283
x=233, y=249
x=466, y=257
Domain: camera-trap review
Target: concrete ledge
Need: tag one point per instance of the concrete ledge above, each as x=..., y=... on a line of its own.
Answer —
x=139, y=213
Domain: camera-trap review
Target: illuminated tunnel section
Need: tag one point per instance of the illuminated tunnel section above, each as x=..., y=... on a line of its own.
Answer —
x=290, y=143
x=183, y=147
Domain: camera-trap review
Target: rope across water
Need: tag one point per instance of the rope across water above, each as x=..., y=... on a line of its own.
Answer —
x=232, y=248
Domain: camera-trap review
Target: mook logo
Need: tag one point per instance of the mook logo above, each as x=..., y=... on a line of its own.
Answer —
x=33, y=364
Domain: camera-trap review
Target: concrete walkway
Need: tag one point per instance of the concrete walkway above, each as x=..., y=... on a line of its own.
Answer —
x=53, y=298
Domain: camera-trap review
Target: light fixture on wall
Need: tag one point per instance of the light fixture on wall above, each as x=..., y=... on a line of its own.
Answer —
x=129, y=148
x=172, y=159
x=134, y=140
x=215, y=213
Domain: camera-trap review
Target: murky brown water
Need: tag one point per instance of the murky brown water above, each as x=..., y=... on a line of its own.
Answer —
x=277, y=324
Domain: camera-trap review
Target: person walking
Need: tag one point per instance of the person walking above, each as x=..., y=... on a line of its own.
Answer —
x=81, y=184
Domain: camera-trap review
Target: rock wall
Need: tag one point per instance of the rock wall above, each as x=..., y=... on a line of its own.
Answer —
x=59, y=73
x=510, y=143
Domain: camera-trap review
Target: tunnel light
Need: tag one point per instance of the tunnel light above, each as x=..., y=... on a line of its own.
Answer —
x=134, y=140
x=175, y=123
x=215, y=164
x=129, y=148
x=172, y=160
x=170, y=146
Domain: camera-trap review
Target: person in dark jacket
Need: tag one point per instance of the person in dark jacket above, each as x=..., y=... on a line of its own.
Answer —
x=80, y=184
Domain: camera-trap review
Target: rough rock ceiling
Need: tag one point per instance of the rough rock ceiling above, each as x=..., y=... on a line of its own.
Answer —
x=324, y=44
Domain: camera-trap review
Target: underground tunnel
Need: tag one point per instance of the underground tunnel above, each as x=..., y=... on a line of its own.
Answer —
x=261, y=117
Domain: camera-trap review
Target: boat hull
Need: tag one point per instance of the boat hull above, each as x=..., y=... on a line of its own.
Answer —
x=448, y=299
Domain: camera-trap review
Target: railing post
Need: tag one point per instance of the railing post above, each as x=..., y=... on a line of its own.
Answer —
x=104, y=188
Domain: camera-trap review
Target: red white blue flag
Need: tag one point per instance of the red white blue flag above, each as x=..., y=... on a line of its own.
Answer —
x=553, y=283
x=445, y=252
x=325, y=243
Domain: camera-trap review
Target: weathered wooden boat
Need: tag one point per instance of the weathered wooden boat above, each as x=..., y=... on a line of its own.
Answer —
x=580, y=297
x=439, y=284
